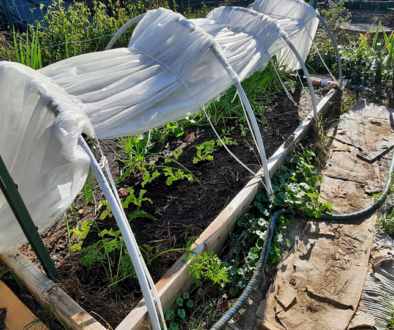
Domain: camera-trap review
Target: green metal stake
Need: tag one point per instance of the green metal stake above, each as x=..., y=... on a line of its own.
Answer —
x=21, y=213
x=314, y=3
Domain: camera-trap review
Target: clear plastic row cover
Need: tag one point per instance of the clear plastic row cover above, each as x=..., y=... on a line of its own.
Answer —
x=39, y=128
x=169, y=69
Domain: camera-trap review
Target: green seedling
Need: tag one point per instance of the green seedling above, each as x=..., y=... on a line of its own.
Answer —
x=205, y=151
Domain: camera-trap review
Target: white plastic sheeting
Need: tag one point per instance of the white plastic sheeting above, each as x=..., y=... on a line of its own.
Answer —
x=39, y=129
x=249, y=39
x=298, y=20
x=170, y=68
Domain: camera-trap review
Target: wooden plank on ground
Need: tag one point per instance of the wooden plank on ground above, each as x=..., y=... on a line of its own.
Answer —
x=177, y=278
x=45, y=290
x=18, y=315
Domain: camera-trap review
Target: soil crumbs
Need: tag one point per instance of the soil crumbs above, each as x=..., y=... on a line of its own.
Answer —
x=181, y=210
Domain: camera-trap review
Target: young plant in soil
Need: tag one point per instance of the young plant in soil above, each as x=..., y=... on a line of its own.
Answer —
x=185, y=305
x=110, y=250
x=139, y=162
x=130, y=199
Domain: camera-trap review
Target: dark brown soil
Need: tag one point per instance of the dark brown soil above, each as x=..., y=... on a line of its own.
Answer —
x=3, y=315
x=182, y=210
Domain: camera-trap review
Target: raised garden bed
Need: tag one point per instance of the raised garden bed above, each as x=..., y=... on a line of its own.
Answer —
x=205, y=208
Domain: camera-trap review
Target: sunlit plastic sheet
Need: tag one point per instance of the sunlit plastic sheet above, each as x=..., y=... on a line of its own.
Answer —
x=298, y=20
x=170, y=68
x=39, y=128
x=248, y=39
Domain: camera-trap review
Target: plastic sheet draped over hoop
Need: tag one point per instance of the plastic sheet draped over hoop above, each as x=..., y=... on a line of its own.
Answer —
x=39, y=129
x=249, y=39
x=130, y=91
x=298, y=20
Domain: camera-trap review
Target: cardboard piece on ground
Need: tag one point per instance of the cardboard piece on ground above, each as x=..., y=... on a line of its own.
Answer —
x=344, y=196
x=320, y=284
x=352, y=175
x=18, y=316
x=368, y=127
x=348, y=166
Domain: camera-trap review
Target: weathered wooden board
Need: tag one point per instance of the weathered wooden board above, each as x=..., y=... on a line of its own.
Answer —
x=177, y=278
x=45, y=290
x=18, y=315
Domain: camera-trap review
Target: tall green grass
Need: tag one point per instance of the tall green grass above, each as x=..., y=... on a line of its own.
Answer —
x=26, y=51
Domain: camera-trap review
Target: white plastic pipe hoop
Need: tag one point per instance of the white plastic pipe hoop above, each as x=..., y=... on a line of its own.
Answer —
x=334, y=42
x=259, y=139
x=127, y=233
x=308, y=77
x=125, y=26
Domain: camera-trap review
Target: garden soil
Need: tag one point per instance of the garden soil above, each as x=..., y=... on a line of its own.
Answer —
x=3, y=315
x=319, y=285
x=181, y=210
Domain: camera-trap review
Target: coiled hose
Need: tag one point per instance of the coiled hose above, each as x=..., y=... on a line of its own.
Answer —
x=264, y=255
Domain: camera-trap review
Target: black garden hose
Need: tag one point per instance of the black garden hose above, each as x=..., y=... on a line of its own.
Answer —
x=264, y=254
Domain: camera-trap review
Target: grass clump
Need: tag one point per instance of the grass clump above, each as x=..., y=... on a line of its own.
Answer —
x=386, y=223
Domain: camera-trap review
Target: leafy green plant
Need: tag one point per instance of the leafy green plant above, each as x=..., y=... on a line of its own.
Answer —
x=208, y=267
x=178, y=175
x=173, y=129
x=386, y=223
x=140, y=214
x=178, y=152
x=110, y=251
x=204, y=151
x=81, y=234
x=131, y=198
x=78, y=29
x=296, y=187
x=149, y=177
x=107, y=212
x=185, y=305
x=137, y=151
x=243, y=129
x=228, y=141
x=190, y=241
